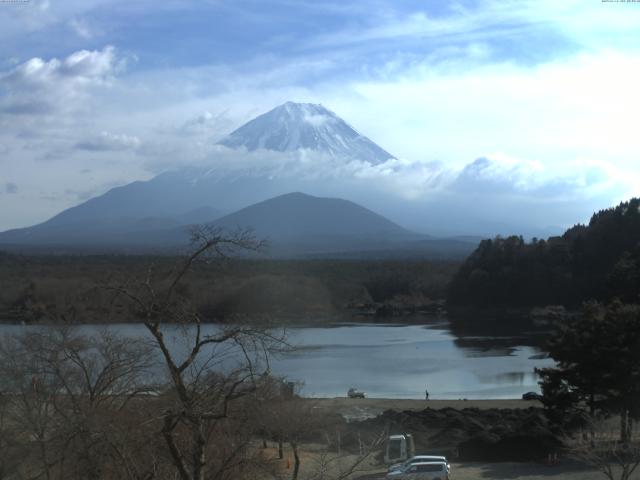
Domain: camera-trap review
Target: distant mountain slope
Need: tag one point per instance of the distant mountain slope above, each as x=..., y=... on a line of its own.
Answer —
x=169, y=194
x=295, y=225
x=83, y=230
x=297, y=215
x=300, y=225
x=294, y=126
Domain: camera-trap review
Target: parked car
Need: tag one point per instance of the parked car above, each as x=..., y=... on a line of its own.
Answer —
x=421, y=471
x=532, y=396
x=419, y=459
x=355, y=393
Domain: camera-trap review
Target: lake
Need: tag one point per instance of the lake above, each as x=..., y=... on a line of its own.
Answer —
x=395, y=361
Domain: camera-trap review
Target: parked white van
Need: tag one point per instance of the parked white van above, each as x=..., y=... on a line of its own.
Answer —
x=399, y=448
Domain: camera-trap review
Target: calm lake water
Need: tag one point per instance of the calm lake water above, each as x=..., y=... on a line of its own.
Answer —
x=394, y=361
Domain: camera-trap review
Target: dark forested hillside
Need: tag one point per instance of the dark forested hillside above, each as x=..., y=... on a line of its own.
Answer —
x=600, y=260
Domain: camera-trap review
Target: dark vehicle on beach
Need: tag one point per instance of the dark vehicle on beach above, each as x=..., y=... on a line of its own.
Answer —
x=532, y=396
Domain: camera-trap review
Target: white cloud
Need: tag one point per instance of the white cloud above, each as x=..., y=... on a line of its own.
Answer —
x=205, y=123
x=503, y=176
x=41, y=86
x=108, y=141
x=586, y=24
x=81, y=28
x=556, y=112
x=495, y=177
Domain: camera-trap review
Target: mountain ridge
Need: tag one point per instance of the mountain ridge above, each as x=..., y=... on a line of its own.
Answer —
x=295, y=225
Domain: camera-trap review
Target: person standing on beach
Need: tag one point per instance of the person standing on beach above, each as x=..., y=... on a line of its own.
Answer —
x=426, y=394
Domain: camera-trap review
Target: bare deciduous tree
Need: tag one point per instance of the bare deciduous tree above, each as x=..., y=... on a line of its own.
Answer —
x=216, y=368
x=66, y=395
x=9, y=457
x=600, y=447
x=341, y=465
x=79, y=406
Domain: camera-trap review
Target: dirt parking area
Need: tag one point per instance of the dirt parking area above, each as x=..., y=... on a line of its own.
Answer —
x=360, y=409
x=525, y=471
x=511, y=471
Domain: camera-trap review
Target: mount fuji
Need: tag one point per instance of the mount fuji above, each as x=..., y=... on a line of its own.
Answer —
x=305, y=126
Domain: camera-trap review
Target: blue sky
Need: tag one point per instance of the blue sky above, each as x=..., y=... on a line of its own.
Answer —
x=99, y=93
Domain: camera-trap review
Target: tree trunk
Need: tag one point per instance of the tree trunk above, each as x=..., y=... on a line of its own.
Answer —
x=43, y=453
x=592, y=415
x=280, y=452
x=296, y=461
x=624, y=426
x=625, y=473
x=176, y=455
x=199, y=452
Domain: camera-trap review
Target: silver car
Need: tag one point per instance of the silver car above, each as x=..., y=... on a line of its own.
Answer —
x=421, y=471
x=419, y=459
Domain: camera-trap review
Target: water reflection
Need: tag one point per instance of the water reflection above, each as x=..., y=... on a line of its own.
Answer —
x=487, y=331
x=519, y=378
x=393, y=361
x=401, y=361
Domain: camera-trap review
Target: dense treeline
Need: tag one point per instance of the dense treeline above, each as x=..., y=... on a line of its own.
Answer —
x=299, y=289
x=598, y=261
x=598, y=365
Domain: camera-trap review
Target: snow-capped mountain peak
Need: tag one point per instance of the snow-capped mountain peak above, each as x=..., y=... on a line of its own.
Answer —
x=295, y=126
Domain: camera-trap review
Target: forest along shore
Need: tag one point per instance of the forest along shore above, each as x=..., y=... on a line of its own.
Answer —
x=291, y=291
